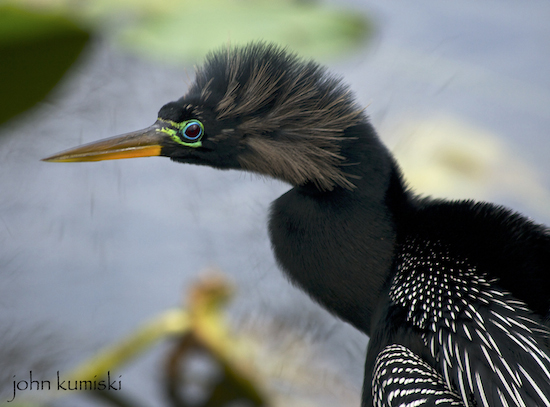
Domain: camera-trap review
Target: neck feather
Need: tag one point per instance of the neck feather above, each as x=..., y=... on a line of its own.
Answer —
x=339, y=245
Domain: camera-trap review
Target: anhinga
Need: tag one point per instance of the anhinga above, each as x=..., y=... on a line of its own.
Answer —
x=455, y=296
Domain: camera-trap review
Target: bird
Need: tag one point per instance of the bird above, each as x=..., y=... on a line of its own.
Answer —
x=454, y=295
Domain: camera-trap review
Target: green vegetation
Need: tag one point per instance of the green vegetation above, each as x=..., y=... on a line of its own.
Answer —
x=36, y=49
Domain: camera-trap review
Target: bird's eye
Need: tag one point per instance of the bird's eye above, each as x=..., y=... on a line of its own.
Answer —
x=193, y=130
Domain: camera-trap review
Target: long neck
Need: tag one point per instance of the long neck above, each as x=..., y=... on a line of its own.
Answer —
x=338, y=246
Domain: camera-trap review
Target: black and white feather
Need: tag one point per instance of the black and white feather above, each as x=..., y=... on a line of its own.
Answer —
x=403, y=379
x=487, y=346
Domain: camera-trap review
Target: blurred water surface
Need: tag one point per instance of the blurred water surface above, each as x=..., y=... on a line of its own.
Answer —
x=88, y=251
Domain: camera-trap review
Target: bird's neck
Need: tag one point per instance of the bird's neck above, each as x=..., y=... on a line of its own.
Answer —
x=339, y=245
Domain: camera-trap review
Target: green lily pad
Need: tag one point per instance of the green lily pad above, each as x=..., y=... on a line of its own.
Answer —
x=36, y=49
x=186, y=30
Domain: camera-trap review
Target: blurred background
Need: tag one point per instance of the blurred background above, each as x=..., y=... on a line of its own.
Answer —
x=89, y=252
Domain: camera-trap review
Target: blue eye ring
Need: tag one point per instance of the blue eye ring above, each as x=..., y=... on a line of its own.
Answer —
x=193, y=130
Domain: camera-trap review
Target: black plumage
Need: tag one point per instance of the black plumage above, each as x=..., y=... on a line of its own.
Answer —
x=454, y=295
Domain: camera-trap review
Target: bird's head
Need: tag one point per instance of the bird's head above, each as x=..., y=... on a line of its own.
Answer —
x=256, y=108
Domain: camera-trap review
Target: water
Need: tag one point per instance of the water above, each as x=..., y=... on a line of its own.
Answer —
x=90, y=251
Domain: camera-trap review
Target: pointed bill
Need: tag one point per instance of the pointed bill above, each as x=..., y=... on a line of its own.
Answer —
x=141, y=143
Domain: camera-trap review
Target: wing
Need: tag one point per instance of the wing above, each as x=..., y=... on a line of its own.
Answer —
x=493, y=350
x=489, y=347
x=401, y=378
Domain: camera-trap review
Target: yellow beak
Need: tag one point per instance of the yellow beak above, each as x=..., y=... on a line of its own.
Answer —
x=141, y=143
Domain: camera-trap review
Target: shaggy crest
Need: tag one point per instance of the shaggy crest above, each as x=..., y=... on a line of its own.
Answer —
x=292, y=126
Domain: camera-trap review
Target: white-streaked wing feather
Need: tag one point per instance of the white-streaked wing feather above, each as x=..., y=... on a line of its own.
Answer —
x=486, y=344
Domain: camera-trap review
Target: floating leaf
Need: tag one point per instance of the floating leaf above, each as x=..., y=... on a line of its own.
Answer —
x=445, y=157
x=190, y=29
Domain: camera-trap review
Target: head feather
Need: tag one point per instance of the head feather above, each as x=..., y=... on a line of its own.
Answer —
x=291, y=113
